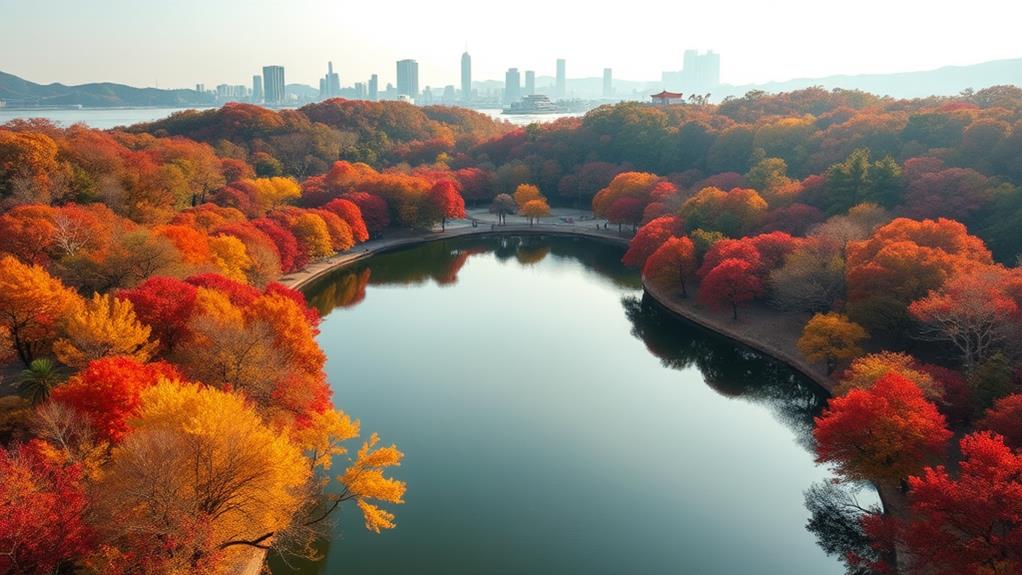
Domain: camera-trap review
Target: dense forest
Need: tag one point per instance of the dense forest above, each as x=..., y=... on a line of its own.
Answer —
x=173, y=411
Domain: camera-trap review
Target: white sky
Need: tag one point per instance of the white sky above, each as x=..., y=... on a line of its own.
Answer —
x=179, y=43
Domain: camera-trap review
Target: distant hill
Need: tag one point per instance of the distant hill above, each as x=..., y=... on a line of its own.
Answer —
x=16, y=91
x=946, y=81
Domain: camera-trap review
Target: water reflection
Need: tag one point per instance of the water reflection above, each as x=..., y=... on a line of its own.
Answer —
x=439, y=262
x=584, y=369
x=731, y=369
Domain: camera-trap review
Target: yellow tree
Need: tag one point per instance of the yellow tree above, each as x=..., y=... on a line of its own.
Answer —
x=866, y=370
x=230, y=255
x=272, y=192
x=535, y=209
x=525, y=193
x=831, y=337
x=104, y=326
x=32, y=305
x=198, y=476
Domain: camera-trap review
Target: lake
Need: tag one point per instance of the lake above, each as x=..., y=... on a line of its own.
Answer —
x=554, y=422
x=106, y=118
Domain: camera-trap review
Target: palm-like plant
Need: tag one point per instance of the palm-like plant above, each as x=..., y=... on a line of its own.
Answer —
x=36, y=382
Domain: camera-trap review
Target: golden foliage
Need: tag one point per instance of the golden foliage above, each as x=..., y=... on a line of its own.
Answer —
x=364, y=480
x=831, y=337
x=322, y=436
x=230, y=255
x=104, y=326
x=866, y=370
x=32, y=304
x=197, y=453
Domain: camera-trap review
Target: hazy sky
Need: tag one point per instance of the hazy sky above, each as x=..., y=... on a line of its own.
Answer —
x=179, y=43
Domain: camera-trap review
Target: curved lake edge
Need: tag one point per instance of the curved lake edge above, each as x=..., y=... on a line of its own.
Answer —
x=685, y=310
x=300, y=280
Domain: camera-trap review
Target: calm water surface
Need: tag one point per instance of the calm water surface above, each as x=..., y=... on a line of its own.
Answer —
x=553, y=422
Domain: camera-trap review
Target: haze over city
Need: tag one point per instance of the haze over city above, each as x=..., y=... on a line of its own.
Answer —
x=177, y=45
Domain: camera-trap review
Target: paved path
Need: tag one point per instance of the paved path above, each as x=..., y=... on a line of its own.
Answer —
x=561, y=222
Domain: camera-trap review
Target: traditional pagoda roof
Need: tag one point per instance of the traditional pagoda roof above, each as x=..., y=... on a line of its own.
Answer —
x=665, y=95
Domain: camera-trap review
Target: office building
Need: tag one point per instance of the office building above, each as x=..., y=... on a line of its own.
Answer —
x=273, y=85
x=466, y=77
x=408, y=78
x=700, y=74
x=530, y=82
x=257, y=89
x=330, y=85
x=374, y=87
x=561, y=86
x=200, y=88
x=512, y=86
x=608, y=83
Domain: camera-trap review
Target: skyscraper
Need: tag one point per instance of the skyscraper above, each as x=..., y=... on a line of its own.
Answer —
x=330, y=85
x=608, y=83
x=560, y=88
x=530, y=82
x=408, y=78
x=466, y=77
x=701, y=73
x=512, y=86
x=374, y=87
x=273, y=85
x=257, y=89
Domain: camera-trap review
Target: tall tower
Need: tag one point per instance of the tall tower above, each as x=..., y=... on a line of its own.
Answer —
x=273, y=84
x=512, y=86
x=608, y=83
x=331, y=83
x=374, y=87
x=466, y=77
x=530, y=82
x=408, y=78
x=257, y=89
x=560, y=89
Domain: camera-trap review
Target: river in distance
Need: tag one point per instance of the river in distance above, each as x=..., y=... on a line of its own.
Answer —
x=107, y=118
x=555, y=422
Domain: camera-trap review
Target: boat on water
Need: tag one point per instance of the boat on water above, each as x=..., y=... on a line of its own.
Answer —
x=535, y=104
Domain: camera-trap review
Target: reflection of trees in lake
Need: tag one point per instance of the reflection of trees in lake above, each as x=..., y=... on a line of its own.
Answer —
x=441, y=261
x=729, y=368
x=835, y=518
x=343, y=290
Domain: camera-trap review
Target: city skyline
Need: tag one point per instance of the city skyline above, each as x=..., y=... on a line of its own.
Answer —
x=765, y=43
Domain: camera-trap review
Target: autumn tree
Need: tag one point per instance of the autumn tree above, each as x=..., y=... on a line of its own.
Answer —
x=1005, y=419
x=671, y=265
x=884, y=434
x=165, y=305
x=42, y=513
x=32, y=305
x=352, y=215
x=197, y=458
x=731, y=283
x=974, y=311
x=525, y=193
x=535, y=209
x=831, y=337
x=649, y=238
x=445, y=198
x=103, y=327
x=732, y=213
x=968, y=523
x=865, y=370
x=503, y=204
x=108, y=391
x=812, y=278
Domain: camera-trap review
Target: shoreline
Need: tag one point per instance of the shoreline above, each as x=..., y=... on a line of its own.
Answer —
x=704, y=318
x=298, y=280
x=725, y=326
